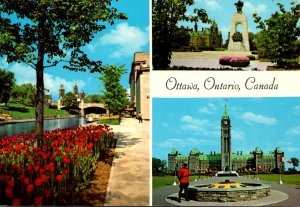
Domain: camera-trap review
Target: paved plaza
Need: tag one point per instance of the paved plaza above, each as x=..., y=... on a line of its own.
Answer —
x=129, y=183
x=281, y=195
x=210, y=59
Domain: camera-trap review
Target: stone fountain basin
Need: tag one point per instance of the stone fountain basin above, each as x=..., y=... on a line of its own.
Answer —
x=248, y=191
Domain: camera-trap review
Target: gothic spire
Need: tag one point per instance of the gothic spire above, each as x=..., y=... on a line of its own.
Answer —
x=225, y=115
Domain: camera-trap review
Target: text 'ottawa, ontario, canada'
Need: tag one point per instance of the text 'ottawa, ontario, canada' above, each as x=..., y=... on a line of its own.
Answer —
x=211, y=83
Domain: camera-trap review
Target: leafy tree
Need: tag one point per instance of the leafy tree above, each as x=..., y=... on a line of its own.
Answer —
x=7, y=81
x=279, y=33
x=44, y=32
x=24, y=94
x=95, y=98
x=158, y=166
x=115, y=95
x=69, y=101
x=252, y=41
x=165, y=16
x=181, y=38
x=295, y=162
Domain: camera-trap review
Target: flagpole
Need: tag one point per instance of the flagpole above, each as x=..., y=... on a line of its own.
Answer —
x=280, y=181
x=176, y=165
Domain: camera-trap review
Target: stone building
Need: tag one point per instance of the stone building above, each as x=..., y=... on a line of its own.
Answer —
x=226, y=160
x=207, y=38
x=139, y=81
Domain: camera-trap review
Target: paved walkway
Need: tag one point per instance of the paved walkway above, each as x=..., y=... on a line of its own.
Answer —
x=129, y=183
x=210, y=59
x=281, y=195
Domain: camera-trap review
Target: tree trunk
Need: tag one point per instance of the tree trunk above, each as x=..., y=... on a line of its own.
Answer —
x=39, y=110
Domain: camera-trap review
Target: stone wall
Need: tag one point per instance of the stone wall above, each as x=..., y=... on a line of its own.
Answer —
x=228, y=196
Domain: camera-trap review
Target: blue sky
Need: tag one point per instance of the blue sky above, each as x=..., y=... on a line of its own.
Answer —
x=115, y=45
x=186, y=123
x=222, y=12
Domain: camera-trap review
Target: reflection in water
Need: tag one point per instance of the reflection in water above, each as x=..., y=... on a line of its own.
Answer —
x=29, y=127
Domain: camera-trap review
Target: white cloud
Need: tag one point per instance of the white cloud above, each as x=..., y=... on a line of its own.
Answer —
x=209, y=109
x=258, y=118
x=250, y=8
x=26, y=74
x=164, y=124
x=212, y=4
x=196, y=125
x=292, y=149
x=237, y=135
x=187, y=143
x=297, y=108
x=294, y=131
x=190, y=120
x=126, y=40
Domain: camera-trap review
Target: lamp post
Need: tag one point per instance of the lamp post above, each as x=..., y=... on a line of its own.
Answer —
x=78, y=101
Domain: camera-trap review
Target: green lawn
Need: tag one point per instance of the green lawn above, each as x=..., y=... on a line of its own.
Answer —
x=109, y=122
x=286, y=179
x=19, y=111
x=159, y=181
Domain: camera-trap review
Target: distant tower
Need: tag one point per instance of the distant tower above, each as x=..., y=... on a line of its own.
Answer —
x=75, y=89
x=225, y=141
x=61, y=91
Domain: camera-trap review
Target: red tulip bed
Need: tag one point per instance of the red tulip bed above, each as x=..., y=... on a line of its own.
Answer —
x=55, y=173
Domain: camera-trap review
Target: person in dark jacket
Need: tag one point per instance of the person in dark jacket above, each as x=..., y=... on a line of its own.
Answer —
x=183, y=176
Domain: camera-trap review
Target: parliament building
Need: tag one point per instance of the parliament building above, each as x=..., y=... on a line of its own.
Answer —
x=226, y=160
x=207, y=38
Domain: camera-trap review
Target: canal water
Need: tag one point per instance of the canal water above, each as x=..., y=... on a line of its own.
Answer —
x=49, y=124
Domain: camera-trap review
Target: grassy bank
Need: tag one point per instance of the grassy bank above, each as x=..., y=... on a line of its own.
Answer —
x=112, y=120
x=160, y=181
x=20, y=111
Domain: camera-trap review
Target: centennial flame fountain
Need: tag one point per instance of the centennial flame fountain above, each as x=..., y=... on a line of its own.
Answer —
x=228, y=191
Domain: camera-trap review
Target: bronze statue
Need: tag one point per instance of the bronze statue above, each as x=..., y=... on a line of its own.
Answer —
x=239, y=5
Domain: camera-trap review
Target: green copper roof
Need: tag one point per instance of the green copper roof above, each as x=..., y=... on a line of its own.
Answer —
x=173, y=151
x=241, y=157
x=210, y=157
x=225, y=115
x=182, y=157
x=194, y=151
x=270, y=155
x=278, y=149
x=257, y=149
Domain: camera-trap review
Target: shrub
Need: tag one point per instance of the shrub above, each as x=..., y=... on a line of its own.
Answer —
x=110, y=120
x=225, y=60
x=235, y=61
x=251, y=57
x=239, y=61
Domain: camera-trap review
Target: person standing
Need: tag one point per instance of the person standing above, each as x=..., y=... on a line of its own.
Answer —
x=140, y=118
x=183, y=176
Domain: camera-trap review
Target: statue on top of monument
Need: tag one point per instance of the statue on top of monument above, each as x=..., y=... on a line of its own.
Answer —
x=239, y=5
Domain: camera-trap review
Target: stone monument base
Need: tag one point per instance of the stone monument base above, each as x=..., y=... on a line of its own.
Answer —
x=237, y=46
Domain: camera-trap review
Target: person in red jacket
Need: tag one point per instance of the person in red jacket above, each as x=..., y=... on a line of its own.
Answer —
x=183, y=176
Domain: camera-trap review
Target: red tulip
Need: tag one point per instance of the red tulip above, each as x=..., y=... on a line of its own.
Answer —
x=47, y=193
x=26, y=181
x=11, y=183
x=29, y=188
x=38, y=181
x=9, y=191
x=66, y=159
x=38, y=200
x=16, y=202
x=59, y=178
